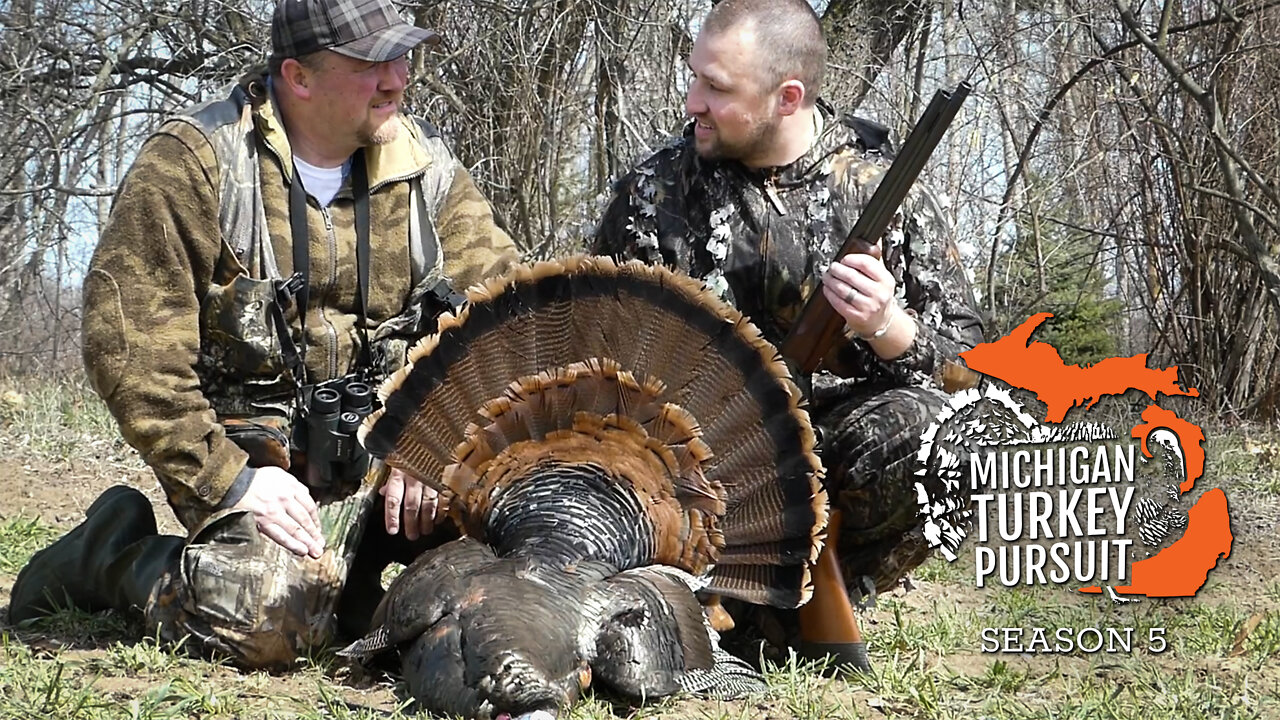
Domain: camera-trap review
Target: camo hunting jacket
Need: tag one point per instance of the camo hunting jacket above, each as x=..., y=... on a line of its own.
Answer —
x=762, y=239
x=177, y=335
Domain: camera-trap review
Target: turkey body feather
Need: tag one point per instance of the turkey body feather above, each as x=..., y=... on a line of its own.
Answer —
x=609, y=438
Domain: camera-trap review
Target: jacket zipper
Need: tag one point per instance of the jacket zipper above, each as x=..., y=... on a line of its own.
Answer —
x=770, y=189
x=398, y=178
x=331, y=332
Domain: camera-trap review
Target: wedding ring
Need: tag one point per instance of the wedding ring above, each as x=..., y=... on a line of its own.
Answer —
x=850, y=296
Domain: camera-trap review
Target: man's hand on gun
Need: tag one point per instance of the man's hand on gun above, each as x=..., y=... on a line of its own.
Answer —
x=860, y=288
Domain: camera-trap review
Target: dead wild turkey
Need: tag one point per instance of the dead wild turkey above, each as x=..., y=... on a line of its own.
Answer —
x=609, y=438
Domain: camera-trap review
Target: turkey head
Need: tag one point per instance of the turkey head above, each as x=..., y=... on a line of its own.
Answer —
x=610, y=439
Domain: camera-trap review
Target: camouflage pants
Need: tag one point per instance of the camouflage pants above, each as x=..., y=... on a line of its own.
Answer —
x=870, y=442
x=234, y=593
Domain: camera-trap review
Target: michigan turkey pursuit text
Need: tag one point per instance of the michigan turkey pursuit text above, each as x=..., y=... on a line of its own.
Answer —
x=1071, y=503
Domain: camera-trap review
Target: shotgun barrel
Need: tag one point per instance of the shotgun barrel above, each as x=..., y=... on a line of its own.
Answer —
x=819, y=325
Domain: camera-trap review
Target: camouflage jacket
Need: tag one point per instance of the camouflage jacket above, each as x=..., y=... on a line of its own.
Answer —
x=176, y=338
x=763, y=238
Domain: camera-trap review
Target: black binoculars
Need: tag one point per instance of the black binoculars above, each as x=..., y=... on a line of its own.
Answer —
x=331, y=414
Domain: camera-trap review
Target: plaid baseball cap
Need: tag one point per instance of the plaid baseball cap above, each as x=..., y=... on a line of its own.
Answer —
x=363, y=29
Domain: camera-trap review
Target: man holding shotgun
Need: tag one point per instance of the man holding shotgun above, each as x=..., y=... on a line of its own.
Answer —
x=757, y=197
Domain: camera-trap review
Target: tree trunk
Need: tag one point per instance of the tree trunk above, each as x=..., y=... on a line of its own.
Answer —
x=862, y=36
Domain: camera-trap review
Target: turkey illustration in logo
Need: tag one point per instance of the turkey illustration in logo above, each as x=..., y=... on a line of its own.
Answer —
x=1078, y=503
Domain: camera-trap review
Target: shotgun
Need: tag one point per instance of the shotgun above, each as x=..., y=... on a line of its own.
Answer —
x=828, y=626
x=819, y=326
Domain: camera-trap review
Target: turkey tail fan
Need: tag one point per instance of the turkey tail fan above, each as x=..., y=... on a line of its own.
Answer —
x=637, y=416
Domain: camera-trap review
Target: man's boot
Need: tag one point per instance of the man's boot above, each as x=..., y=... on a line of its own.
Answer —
x=110, y=561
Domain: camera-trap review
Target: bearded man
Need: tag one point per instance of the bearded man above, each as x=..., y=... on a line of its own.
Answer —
x=755, y=198
x=269, y=257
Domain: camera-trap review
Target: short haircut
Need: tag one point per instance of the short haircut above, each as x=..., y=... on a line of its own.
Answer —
x=789, y=39
x=311, y=61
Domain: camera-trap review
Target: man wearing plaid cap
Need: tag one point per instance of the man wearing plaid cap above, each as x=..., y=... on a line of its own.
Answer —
x=269, y=250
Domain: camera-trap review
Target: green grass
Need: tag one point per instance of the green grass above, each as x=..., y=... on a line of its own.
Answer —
x=182, y=698
x=145, y=657
x=1228, y=630
x=1208, y=630
x=1001, y=677
x=1272, y=592
x=31, y=688
x=1222, y=661
x=937, y=569
x=1147, y=693
x=1262, y=643
x=907, y=684
x=20, y=537
x=798, y=689
x=77, y=627
x=60, y=420
x=331, y=705
x=1250, y=459
x=939, y=630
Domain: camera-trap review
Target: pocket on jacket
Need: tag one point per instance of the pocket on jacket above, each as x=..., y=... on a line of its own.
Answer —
x=247, y=361
x=240, y=332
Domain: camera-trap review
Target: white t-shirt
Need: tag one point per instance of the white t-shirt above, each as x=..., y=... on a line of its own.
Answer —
x=321, y=183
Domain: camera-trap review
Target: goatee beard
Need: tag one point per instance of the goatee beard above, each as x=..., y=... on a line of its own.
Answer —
x=383, y=134
x=760, y=139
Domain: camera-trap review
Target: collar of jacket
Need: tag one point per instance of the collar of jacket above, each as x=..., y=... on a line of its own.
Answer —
x=402, y=158
x=834, y=138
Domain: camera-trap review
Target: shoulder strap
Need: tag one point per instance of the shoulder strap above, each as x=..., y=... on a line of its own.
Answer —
x=302, y=251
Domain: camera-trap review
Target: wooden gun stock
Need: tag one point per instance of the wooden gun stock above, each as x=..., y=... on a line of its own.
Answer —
x=828, y=626
x=819, y=325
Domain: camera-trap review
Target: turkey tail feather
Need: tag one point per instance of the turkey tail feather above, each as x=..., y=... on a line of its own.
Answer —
x=641, y=379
